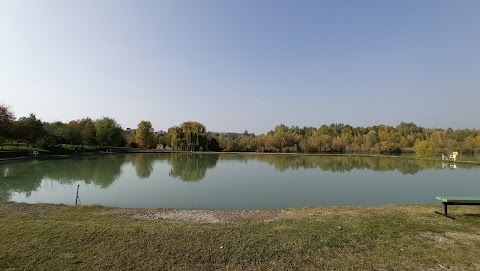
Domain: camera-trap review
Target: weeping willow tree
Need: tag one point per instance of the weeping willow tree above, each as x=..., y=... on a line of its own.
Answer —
x=192, y=136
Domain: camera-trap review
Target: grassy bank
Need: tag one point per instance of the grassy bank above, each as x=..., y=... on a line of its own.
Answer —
x=413, y=237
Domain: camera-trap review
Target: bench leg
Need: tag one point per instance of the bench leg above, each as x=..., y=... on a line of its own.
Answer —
x=445, y=210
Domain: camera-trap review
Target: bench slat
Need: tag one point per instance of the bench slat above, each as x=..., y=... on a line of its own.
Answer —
x=460, y=199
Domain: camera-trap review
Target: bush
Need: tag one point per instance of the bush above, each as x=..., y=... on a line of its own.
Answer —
x=424, y=149
x=47, y=142
x=133, y=145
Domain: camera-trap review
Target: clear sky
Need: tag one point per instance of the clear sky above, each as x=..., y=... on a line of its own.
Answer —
x=243, y=65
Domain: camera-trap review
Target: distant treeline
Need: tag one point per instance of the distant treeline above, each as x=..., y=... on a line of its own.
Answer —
x=341, y=138
x=193, y=136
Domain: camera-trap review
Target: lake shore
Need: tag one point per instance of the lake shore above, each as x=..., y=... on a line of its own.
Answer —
x=393, y=237
x=71, y=154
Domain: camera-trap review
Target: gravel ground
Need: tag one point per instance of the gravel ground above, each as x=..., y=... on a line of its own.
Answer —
x=201, y=216
x=30, y=208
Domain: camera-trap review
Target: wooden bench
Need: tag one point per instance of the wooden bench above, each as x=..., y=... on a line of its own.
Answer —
x=456, y=201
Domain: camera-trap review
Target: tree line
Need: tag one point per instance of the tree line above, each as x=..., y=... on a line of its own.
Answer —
x=47, y=135
x=193, y=136
x=341, y=138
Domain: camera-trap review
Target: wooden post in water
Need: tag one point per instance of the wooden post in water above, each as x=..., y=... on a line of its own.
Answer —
x=76, y=199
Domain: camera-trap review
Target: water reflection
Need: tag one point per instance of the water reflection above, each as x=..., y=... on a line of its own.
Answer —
x=348, y=163
x=102, y=171
x=143, y=165
x=188, y=167
x=27, y=176
x=191, y=167
x=449, y=165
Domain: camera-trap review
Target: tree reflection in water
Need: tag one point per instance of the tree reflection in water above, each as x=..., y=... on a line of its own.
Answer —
x=143, y=164
x=27, y=176
x=347, y=163
x=102, y=171
x=188, y=167
x=191, y=167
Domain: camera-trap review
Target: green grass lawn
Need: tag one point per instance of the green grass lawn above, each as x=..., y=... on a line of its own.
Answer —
x=413, y=237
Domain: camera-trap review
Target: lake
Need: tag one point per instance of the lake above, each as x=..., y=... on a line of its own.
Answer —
x=235, y=181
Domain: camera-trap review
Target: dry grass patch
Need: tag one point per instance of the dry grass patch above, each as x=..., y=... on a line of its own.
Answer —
x=443, y=240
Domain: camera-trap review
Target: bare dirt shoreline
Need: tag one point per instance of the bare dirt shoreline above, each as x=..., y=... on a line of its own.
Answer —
x=204, y=216
x=201, y=216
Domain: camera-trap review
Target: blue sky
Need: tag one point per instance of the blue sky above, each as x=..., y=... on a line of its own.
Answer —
x=243, y=65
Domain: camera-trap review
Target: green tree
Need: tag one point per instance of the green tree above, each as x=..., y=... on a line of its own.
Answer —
x=74, y=132
x=424, y=149
x=88, y=131
x=109, y=132
x=144, y=135
x=371, y=139
x=190, y=136
x=193, y=126
x=177, y=141
x=165, y=139
x=439, y=138
x=29, y=129
x=7, y=119
x=58, y=131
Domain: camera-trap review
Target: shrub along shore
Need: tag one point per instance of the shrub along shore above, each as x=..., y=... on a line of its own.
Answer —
x=396, y=237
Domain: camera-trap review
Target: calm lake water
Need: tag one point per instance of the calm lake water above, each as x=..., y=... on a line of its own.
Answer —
x=235, y=181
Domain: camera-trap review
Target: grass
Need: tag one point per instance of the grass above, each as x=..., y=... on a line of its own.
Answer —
x=412, y=237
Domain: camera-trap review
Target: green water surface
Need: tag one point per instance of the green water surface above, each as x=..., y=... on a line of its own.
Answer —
x=235, y=181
